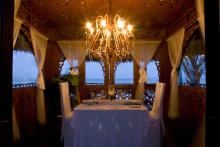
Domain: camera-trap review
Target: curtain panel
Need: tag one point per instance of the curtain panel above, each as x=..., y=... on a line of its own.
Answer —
x=39, y=43
x=17, y=26
x=74, y=51
x=201, y=15
x=142, y=54
x=175, y=43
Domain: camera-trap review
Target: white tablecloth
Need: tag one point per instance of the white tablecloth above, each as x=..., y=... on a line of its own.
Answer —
x=110, y=126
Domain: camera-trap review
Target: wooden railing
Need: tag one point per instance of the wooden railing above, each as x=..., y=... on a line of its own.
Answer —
x=24, y=85
x=187, y=84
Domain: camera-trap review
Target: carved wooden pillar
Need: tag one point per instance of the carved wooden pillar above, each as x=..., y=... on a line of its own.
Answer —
x=165, y=71
x=52, y=60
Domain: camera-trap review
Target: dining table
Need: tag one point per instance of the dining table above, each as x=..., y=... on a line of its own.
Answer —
x=110, y=124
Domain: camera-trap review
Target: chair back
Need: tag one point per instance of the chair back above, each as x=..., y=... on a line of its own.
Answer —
x=157, y=108
x=65, y=98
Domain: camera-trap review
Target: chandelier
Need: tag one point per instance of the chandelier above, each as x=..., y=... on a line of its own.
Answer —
x=107, y=39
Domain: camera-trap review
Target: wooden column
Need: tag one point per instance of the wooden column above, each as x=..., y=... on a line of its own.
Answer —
x=165, y=71
x=136, y=76
x=212, y=27
x=51, y=65
x=6, y=47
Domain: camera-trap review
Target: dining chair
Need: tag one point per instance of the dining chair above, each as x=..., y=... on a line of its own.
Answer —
x=157, y=109
x=156, y=126
x=67, y=113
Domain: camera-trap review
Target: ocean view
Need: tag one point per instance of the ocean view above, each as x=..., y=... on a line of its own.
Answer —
x=125, y=81
x=120, y=81
x=25, y=71
x=100, y=81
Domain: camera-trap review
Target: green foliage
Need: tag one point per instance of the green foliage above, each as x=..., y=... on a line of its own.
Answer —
x=71, y=79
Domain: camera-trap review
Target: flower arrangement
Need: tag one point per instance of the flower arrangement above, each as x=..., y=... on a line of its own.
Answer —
x=72, y=77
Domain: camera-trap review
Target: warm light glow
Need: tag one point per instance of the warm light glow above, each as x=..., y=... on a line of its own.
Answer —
x=124, y=32
x=91, y=30
x=130, y=28
x=108, y=39
x=120, y=24
x=108, y=33
x=103, y=23
x=88, y=25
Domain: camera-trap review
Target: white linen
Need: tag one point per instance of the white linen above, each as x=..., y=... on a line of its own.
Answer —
x=16, y=6
x=65, y=98
x=74, y=51
x=143, y=53
x=201, y=16
x=67, y=132
x=113, y=126
x=67, y=114
x=175, y=43
x=17, y=26
x=39, y=43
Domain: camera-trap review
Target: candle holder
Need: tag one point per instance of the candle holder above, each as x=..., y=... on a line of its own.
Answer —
x=111, y=91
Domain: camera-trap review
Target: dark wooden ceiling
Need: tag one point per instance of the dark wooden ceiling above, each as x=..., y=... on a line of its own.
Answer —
x=65, y=19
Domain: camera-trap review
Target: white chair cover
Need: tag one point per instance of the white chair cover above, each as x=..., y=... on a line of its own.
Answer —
x=67, y=113
x=156, y=124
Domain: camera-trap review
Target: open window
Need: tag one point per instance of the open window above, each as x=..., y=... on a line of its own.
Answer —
x=152, y=72
x=24, y=69
x=124, y=73
x=93, y=73
x=193, y=69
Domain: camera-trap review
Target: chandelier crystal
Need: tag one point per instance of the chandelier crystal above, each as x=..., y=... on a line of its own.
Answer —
x=109, y=39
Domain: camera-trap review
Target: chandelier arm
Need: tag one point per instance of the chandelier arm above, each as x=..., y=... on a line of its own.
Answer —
x=95, y=38
x=110, y=39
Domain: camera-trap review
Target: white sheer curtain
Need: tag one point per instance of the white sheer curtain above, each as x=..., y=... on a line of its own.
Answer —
x=175, y=43
x=201, y=15
x=39, y=43
x=17, y=25
x=143, y=53
x=16, y=6
x=73, y=51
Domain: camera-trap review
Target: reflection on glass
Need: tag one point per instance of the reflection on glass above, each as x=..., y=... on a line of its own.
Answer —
x=122, y=94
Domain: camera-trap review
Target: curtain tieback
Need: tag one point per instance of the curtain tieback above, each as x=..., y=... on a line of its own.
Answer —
x=142, y=73
x=174, y=73
x=40, y=80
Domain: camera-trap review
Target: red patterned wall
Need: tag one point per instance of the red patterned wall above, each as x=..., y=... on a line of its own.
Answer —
x=192, y=102
x=25, y=108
